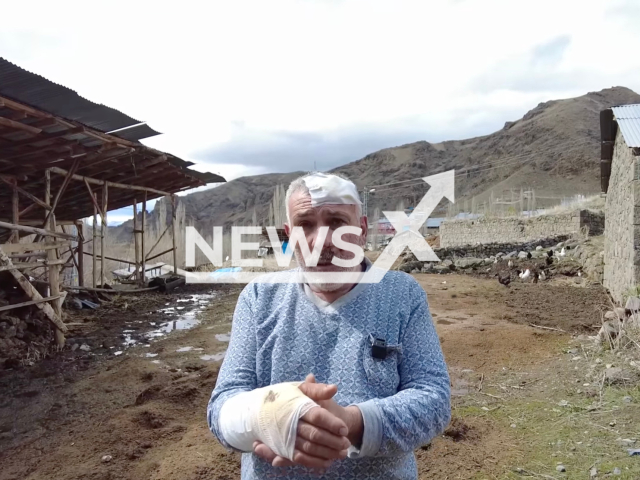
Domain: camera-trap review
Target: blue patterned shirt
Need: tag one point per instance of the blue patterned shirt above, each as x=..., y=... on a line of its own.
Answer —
x=280, y=334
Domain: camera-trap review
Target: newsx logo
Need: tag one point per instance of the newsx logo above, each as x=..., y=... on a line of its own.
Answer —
x=407, y=235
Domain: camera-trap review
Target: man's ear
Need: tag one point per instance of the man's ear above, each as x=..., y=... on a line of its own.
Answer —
x=287, y=229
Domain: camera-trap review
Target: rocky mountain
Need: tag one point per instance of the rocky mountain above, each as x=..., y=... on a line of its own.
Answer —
x=553, y=149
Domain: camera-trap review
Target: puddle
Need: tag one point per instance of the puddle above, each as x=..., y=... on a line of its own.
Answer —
x=185, y=320
x=117, y=353
x=157, y=362
x=444, y=322
x=151, y=355
x=213, y=358
x=184, y=349
x=223, y=337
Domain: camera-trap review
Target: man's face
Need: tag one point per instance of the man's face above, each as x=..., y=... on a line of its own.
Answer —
x=310, y=219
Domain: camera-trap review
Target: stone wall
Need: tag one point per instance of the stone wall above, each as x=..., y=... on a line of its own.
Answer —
x=518, y=230
x=493, y=249
x=622, y=224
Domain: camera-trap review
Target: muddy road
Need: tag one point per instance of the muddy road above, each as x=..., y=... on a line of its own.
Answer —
x=131, y=404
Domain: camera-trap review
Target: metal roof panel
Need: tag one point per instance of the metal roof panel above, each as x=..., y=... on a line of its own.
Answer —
x=29, y=88
x=628, y=119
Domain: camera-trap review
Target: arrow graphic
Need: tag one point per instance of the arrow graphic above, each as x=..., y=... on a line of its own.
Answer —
x=408, y=226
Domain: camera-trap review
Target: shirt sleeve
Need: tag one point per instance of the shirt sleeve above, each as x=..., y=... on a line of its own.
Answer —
x=422, y=407
x=238, y=371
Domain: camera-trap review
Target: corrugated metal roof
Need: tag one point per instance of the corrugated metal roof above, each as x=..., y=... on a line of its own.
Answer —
x=628, y=119
x=31, y=89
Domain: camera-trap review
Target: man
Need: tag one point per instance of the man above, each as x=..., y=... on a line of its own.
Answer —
x=375, y=382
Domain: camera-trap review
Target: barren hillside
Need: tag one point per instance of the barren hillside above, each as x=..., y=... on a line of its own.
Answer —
x=554, y=148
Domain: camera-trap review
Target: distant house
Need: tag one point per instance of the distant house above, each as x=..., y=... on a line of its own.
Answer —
x=620, y=181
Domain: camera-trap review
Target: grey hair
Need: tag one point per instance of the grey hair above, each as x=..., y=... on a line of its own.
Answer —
x=298, y=185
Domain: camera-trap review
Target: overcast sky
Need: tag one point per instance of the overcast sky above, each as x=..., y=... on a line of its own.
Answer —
x=245, y=87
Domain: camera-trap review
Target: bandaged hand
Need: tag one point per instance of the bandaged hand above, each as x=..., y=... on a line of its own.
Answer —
x=285, y=421
x=323, y=395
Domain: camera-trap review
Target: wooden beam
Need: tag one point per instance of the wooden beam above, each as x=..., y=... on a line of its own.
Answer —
x=108, y=290
x=5, y=122
x=30, y=302
x=160, y=254
x=18, y=256
x=61, y=190
x=93, y=249
x=136, y=245
x=22, y=191
x=38, y=246
x=13, y=105
x=15, y=214
x=94, y=200
x=45, y=136
x=26, y=265
x=52, y=258
x=158, y=241
x=32, y=293
x=103, y=231
x=35, y=230
x=143, y=272
x=29, y=207
x=174, y=217
x=109, y=258
x=80, y=229
x=95, y=181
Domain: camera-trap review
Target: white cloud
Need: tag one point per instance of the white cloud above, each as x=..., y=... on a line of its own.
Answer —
x=251, y=86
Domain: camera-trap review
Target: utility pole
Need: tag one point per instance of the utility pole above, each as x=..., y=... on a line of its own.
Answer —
x=365, y=201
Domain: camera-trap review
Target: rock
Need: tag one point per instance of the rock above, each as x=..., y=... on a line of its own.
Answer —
x=559, y=468
x=427, y=267
x=627, y=399
x=511, y=254
x=572, y=351
x=563, y=403
x=500, y=254
x=626, y=442
x=408, y=266
x=8, y=332
x=85, y=348
x=107, y=458
x=593, y=472
x=538, y=248
x=633, y=304
x=617, y=375
x=75, y=346
x=447, y=263
x=468, y=262
x=522, y=255
x=598, y=360
x=616, y=471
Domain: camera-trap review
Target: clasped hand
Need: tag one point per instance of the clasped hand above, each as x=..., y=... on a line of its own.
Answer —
x=324, y=434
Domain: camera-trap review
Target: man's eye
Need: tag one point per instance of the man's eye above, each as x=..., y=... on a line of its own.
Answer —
x=337, y=222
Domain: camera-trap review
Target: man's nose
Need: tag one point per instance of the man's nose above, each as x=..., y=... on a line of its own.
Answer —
x=328, y=239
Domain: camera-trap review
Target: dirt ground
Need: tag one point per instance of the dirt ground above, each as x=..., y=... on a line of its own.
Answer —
x=96, y=413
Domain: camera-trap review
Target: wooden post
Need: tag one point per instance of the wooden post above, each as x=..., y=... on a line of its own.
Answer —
x=136, y=246
x=103, y=232
x=144, y=262
x=15, y=217
x=33, y=294
x=80, y=229
x=174, y=216
x=52, y=258
x=94, y=251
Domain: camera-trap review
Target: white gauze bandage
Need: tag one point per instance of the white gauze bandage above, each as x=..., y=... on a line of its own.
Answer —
x=269, y=415
x=327, y=189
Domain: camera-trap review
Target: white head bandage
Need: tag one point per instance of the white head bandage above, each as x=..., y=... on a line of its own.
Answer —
x=269, y=415
x=327, y=189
